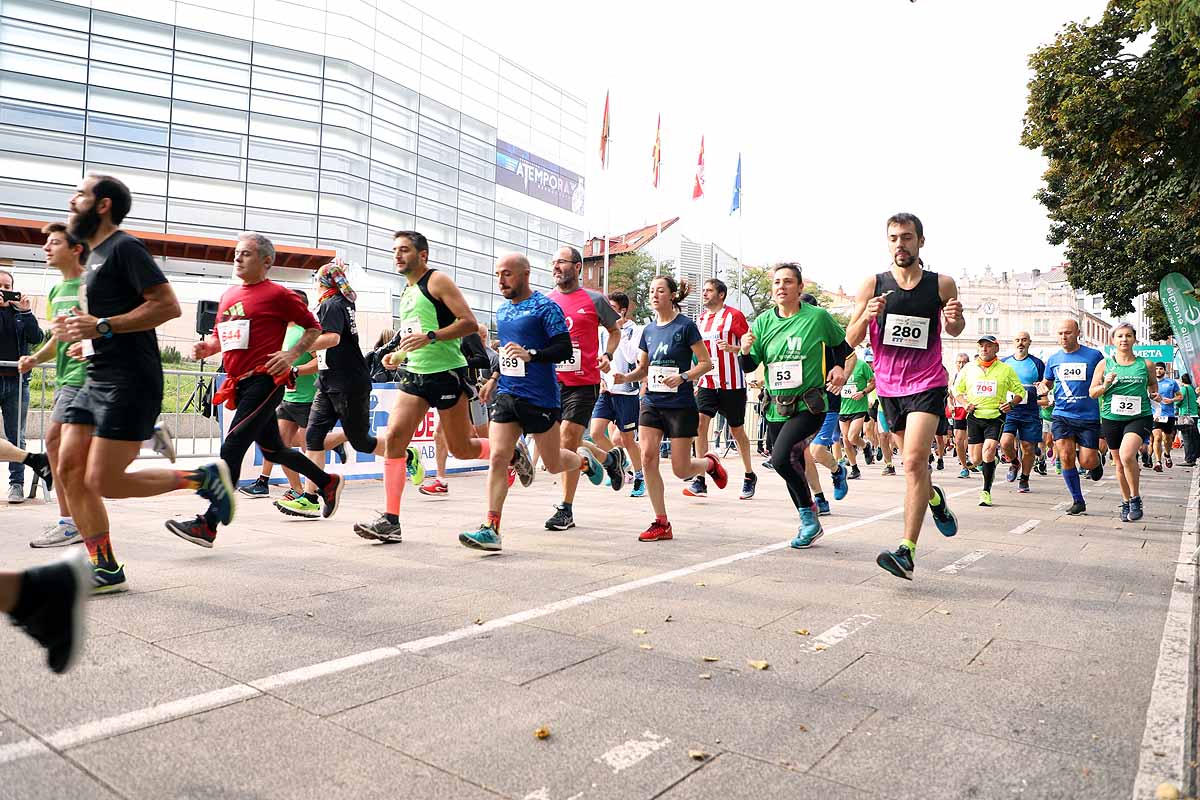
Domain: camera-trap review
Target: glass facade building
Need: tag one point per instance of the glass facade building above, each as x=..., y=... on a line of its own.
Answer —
x=318, y=124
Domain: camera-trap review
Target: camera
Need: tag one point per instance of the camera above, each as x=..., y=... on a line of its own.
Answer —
x=10, y=297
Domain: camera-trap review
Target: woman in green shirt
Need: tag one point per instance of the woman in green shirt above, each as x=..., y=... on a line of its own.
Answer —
x=1125, y=384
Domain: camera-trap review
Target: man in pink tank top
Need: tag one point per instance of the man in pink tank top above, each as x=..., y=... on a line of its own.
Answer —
x=904, y=311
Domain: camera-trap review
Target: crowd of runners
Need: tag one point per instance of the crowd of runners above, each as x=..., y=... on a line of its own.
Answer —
x=569, y=380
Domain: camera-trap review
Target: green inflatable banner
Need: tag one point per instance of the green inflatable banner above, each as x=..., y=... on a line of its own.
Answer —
x=1183, y=312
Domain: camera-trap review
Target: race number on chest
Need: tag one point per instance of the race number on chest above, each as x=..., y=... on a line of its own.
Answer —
x=786, y=374
x=512, y=366
x=902, y=330
x=1126, y=406
x=1074, y=371
x=656, y=379
x=572, y=363
x=234, y=334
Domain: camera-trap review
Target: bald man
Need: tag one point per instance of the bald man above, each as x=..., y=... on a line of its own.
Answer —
x=1022, y=421
x=1076, y=421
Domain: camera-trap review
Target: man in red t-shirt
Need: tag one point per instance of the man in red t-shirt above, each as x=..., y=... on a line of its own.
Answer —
x=579, y=376
x=251, y=322
x=722, y=391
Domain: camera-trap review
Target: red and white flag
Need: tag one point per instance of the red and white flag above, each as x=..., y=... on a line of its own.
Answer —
x=698, y=189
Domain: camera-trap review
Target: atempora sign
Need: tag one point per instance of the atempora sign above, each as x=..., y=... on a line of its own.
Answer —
x=531, y=175
x=1183, y=312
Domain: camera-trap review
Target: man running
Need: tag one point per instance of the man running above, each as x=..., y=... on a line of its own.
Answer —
x=125, y=298
x=1076, y=419
x=903, y=310
x=958, y=421
x=532, y=331
x=586, y=312
x=618, y=403
x=853, y=413
x=1169, y=394
x=252, y=321
x=1022, y=421
x=723, y=390
x=987, y=389
x=434, y=317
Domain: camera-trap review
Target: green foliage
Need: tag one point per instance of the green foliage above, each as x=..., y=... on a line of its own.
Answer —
x=171, y=355
x=1121, y=132
x=631, y=273
x=1160, y=326
x=755, y=284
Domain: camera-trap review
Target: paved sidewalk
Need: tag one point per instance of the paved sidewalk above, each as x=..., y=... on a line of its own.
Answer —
x=1019, y=663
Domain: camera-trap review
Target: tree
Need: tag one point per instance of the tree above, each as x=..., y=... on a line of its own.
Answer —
x=1160, y=326
x=754, y=283
x=631, y=273
x=1121, y=131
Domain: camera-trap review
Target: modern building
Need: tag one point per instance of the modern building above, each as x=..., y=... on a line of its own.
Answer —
x=324, y=127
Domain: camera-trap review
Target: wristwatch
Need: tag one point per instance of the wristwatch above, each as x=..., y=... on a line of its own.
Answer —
x=432, y=336
x=104, y=328
x=532, y=353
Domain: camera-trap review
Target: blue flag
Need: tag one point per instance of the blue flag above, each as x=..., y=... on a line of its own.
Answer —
x=737, y=188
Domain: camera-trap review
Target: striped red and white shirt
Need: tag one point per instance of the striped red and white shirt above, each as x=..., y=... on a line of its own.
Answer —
x=724, y=325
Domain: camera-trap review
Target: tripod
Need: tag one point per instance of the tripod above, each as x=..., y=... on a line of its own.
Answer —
x=198, y=399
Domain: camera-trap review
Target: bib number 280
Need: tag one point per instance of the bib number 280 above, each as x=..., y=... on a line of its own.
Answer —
x=905, y=331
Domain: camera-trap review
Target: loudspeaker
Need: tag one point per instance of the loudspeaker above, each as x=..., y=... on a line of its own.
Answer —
x=206, y=316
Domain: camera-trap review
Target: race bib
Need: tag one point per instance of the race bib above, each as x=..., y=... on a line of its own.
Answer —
x=234, y=334
x=787, y=374
x=848, y=390
x=322, y=360
x=512, y=366
x=572, y=363
x=87, y=348
x=1162, y=419
x=984, y=389
x=656, y=377
x=410, y=326
x=1074, y=371
x=905, y=331
x=711, y=336
x=1126, y=406
x=1009, y=397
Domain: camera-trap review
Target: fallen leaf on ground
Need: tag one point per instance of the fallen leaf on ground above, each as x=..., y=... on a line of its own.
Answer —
x=309, y=614
x=801, y=631
x=701, y=583
x=697, y=755
x=710, y=659
x=943, y=612
x=542, y=732
x=640, y=631
x=758, y=664
x=668, y=619
x=479, y=620
x=705, y=676
x=1166, y=791
x=646, y=646
x=803, y=728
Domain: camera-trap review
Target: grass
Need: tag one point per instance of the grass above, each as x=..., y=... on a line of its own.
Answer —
x=176, y=388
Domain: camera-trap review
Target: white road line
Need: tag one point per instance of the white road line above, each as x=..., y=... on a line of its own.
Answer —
x=1027, y=526
x=1167, y=715
x=964, y=562
x=177, y=709
x=840, y=631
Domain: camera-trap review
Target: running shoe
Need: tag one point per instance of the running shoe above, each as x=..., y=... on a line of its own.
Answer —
x=299, y=507
x=217, y=488
x=1097, y=472
x=561, y=520
x=985, y=499
x=292, y=494
x=413, y=466
x=964, y=473
x=1077, y=508
x=1023, y=485
x=331, y=495
x=40, y=464
x=931, y=459
x=974, y=468
x=108, y=581
x=1013, y=471
x=941, y=463
x=380, y=529
x=768, y=466
x=1146, y=460
x=522, y=463
x=869, y=455
x=485, y=538
x=16, y=493
x=822, y=505
x=810, y=529
x=1039, y=467
x=855, y=473
x=1170, y=464
x=591, y=467
x=59, y=534
x=664, y=450
x=898, y=562
x=1158, y=467
x=340, y=450
x=716, y=471
x=1124, y=511
x=697, y=488
x=53, y=608
x=1135, y=508
x=888, y=469
x=510, y=476
x=879, y=454
x=256, y=488
x=163, y=443
x=435, y=488
x=194, y=530
x=639, y=487
x=1084, y=472
x=749, y=484
x=1058, y=467
x=943, y=517
x=614, y=465
x=840, y=487
x=657, y=532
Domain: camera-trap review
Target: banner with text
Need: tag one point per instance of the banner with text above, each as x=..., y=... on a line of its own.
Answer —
x=1183, y=312
x=531, y=175
x=1155, y=352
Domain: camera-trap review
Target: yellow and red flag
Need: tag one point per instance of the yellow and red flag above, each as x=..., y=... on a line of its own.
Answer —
x=657, y=151
x=604, y=136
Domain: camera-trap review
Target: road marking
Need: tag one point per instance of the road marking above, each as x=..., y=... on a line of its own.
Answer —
x=840, y=631
x=632, y=751
x=964, y=562
x=1027, y=526
x=1167, y=715
x=88, y=732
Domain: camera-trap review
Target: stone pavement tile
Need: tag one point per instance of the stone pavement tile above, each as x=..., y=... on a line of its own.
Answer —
x=719, y=603
x=340, y=691
x=262, y=748
x=755, y=713
x=114, y=674
x=732, y=775
x=484, y=732
x=517, y=654
x=47, y=776
x=580, y=620
x=168, y=613
x=903, y=757
x=262, y=580
x=467, y=608
x=1063, y=671
x=369, y=610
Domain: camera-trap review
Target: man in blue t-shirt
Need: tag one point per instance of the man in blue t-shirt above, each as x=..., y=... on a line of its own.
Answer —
x=1169, y=394
x=1022, y=421
x=1076, y=420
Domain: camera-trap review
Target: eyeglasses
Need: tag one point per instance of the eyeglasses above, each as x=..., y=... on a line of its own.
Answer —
x=558, y=261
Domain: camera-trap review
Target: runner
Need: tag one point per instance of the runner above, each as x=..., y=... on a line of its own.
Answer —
x=1076, y=418
x=125, y=298
x=903, y=311
x=533, y=336
x=1124, y=385
x=1188, y=411
x=1169, y=394
x=853, y=413
x=47, y=603
x=586, y=312
x=252, y=321
x=669, y=344
x=618, y=402
x=987, y=389
x=958, y=421
x=823, y=444
x=803, y=350
x=1022, y=421
x=434, y=317
x=1046, y=414
x=723, y=391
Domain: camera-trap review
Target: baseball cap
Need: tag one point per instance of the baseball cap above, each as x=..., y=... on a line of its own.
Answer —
x=989, y=338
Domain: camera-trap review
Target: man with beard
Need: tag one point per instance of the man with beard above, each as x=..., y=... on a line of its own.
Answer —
x=1022, y=421
x=125, y=298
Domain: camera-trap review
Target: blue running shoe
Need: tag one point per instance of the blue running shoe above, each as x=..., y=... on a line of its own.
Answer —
x=898, y=562
x=822, y=505
x=810, y=529
x=639, y=487
x=840, y=486
x=964, y=473
x=591, y=467
x=108, y=581
x=486, y=538
x=217, y=488
x=943, y=517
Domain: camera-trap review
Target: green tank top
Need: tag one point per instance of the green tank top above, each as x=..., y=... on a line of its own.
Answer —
x=421, y=312
x=306, y=385
x=1128, y=397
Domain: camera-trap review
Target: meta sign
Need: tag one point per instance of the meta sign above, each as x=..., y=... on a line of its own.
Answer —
x=528, y=174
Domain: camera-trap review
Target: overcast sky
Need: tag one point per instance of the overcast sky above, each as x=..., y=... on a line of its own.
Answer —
x=844, y=112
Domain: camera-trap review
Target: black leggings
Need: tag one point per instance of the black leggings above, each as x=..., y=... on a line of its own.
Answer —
x=789, y=451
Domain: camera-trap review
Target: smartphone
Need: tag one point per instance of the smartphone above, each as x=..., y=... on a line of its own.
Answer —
x=10, y=297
